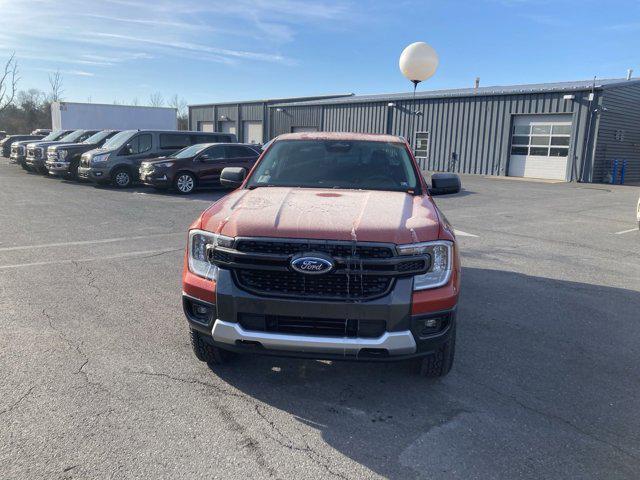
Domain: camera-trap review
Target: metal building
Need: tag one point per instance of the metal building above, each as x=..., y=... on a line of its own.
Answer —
x=565, y=131
x=249, y=120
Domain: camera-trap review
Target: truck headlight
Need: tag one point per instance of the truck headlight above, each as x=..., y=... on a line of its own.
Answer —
x=100, y=158
x=441, y=252
x=62, y=154
x=197, y=252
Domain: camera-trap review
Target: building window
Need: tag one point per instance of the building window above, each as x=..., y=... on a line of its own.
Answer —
x=546, y=140
x=422, y=145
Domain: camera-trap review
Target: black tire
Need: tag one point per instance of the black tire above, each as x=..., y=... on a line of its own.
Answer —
x=185, y=183
x=121, y=178
x=25, y=167
x=438, y=364
x=205, y=352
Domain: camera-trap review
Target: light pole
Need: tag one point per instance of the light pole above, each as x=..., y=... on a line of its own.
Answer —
x=418, y=62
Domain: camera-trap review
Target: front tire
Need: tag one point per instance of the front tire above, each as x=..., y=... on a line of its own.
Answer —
x=185, y=183
x=439, y=363
x=121, y=178
x=205, y=352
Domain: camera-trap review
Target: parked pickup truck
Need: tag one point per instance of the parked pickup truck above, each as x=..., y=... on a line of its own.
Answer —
x=332, y=248
x=63, y=159
x=37, y=151
x=19, y=148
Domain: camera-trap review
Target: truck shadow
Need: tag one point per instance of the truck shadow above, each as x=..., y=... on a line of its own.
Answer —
x=529, y=350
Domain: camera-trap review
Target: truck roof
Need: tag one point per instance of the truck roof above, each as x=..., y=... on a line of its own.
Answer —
x=369, y=137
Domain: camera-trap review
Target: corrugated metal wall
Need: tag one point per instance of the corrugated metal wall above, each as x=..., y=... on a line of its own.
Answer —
x=283, y=121
x=477, y=129
x=233, y=112
x=618, y=132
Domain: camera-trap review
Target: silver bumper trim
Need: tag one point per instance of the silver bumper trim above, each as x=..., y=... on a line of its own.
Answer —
x=396, y=343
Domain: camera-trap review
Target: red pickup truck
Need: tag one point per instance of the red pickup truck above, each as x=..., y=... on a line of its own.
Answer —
x=331, y=248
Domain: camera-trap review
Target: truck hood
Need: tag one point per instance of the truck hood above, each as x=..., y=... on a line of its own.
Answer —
x=367, y=216
x=73, y=146
x=41, y=144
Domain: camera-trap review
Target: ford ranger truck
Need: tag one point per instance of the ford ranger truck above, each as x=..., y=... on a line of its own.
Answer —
x=330, y=248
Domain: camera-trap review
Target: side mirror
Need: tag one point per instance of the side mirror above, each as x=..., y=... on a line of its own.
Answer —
x=204, y=157
x=232, y=176
x=445, y=183
x=128, y=149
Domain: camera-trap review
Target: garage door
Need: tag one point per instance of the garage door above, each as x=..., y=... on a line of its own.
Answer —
x=206, y=127
x=303, y=129
x=540, y=146
x=228, y=127
x=252, y=132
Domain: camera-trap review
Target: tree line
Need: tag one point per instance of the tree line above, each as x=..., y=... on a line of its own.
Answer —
x=22, y=111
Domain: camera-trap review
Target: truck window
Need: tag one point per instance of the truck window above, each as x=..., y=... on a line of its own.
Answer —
x=140, y=144
x=173, y=141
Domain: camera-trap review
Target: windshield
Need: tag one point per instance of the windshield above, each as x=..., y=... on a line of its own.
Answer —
x=98, y=137
x=191, y=151
x=53, y=136
x=347, y=164
x=118, y=140
x=73, y=136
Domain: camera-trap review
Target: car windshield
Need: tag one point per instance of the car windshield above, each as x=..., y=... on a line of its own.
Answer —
x=73, y=136
x=98, y=137
x=191, y=151
x=344, y=164
x=118, y=140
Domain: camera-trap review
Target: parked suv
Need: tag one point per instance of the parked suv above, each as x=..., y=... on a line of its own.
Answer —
x=19, y=149
x=199, y=165
x=5, y=143
x=332, y=248
x=37, y=152
x=118, y=160
x=64, y=158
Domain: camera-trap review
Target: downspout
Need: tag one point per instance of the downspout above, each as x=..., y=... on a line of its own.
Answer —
x=588, y=135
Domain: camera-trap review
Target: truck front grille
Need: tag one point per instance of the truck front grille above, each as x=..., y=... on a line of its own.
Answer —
x=326, y=327
x=335, y=249
x=351, y=286
x=361, y=270
x=34, y=153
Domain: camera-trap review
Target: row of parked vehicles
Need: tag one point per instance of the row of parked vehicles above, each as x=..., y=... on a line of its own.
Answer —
x=182, y=160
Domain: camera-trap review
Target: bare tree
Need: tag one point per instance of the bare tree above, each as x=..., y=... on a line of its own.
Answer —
x=156, y=99
x=9, y=82
x=55, y=82
x=135, y=101
x=181, y=109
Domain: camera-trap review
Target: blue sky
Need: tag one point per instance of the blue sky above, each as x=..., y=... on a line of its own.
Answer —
x=210, y=50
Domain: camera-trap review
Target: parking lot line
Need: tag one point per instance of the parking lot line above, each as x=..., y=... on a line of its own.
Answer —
x=626, y=231
x=460, y=233
x=88, y=242
x=94, y=259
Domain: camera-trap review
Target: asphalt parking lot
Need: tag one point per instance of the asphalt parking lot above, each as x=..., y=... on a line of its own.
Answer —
x=99, y=381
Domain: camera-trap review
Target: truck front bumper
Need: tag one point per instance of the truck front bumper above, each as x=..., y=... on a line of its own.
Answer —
x=57, y=167
x=93, y=174
x=404, y=337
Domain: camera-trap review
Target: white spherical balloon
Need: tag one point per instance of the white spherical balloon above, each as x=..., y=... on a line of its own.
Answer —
x=418, y=62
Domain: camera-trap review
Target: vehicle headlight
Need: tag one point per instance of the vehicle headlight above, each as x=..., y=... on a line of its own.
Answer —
x=100, y=158
x=164, y=164
x=441, y=252
x=197, y=251
x=62, y=154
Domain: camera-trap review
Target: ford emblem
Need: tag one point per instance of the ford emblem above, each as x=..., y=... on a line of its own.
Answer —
x=312, y=264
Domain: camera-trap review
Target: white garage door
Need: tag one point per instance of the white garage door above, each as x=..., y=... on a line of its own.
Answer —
x=252, y=132
x=303, y=129
x=540, y=146
x=206, y=127
x=228, y=127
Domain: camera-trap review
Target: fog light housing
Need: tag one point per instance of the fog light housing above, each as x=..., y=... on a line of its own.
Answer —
x=200, y=312
x=424, y=327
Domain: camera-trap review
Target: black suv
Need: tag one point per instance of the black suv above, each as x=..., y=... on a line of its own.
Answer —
x=63, y=159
